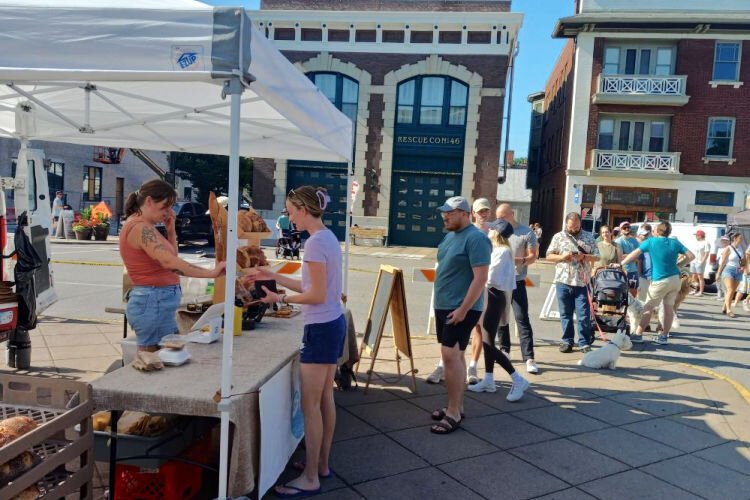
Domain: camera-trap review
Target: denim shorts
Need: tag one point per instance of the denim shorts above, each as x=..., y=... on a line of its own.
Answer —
x=733, y=273
x=323, y=343
x=151, y=312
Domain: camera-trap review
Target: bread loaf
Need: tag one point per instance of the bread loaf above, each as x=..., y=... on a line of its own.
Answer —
x=22, y=463
x=30, y=493
x=15, y=427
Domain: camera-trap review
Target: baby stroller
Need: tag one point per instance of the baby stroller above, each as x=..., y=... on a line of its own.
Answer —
x=609, y=300
x=289, y=244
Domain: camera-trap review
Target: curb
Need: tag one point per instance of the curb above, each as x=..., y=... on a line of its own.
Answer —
x=737, y=386
x=56, y=241
x=84, y=263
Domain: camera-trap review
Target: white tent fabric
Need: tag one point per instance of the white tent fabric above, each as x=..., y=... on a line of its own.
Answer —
x=152, y=70
x=151, y=75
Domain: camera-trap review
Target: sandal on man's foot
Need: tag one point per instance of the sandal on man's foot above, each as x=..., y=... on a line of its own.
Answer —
x=296, y=492
x=445, y=426
x=301, y=467
x=439, y=414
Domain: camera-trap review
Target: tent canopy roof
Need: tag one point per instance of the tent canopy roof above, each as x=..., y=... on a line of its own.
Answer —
x=149, y=74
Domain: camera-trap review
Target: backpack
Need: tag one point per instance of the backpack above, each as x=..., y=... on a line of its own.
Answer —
x=345, y=377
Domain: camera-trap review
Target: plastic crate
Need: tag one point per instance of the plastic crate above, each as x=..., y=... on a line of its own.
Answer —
x=173, y=480
x=63, y=438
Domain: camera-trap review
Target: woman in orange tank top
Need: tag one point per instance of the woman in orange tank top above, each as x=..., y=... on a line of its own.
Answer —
x=153, y=264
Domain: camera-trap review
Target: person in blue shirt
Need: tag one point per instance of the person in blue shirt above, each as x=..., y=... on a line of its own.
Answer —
x=627, y=244
x=667, y=254
x=463, y=262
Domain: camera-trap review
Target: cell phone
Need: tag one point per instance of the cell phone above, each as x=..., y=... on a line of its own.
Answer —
x=270, y=284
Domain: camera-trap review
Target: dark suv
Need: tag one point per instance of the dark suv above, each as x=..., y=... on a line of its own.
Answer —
x=192, y=223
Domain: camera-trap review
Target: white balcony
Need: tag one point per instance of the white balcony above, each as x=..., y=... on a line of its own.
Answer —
x=635, y=160
x=649, y=90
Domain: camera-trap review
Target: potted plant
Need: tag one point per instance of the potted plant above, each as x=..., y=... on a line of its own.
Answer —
x=83, y=229
x=101, y=227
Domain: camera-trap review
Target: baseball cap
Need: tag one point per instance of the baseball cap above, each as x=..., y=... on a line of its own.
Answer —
x=643, y=231
x=481, y=204
x=725, y=238
x=624, y=224
x=700, y=233
x=455, y=203
x=501, y=226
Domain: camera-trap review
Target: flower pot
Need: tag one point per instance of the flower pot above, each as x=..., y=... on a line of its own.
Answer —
x=84, y=234
x=101, y=233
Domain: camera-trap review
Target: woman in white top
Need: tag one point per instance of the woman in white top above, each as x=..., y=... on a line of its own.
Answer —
x=730, y=270
x=501, y=281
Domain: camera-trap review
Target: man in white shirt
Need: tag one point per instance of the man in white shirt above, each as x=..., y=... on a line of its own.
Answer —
x=701, y=249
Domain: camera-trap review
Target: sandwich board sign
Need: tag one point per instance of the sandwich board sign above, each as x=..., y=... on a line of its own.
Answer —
x=389, y=295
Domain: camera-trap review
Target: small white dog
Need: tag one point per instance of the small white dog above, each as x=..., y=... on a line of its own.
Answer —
x=606, y=356
x=635, y=312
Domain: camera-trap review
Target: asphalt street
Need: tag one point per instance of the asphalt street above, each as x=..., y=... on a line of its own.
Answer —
x=88, y=278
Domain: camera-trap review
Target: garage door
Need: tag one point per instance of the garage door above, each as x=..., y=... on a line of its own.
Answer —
x=415, y=196
x=333, y=178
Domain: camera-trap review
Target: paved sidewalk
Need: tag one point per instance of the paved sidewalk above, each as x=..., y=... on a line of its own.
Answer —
x=651, y=429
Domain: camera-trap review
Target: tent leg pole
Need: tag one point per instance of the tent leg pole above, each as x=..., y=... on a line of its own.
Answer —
x=347, y=238
x=234, y=89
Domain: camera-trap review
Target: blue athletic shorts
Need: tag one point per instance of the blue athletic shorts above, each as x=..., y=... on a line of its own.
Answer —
x=323, y=343
x=151, y=312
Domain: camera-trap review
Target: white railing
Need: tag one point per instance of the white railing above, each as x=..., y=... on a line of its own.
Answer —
x=642, y=85
x=629, y=160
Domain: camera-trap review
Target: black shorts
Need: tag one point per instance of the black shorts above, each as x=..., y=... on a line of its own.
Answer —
x=449, y=335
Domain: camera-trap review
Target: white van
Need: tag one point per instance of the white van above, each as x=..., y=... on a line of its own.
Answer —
x=685, y=232
x=31, y=195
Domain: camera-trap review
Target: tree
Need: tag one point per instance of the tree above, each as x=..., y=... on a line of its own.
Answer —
x=211, y=173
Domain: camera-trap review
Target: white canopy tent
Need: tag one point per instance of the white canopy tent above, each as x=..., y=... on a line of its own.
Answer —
x=155, y=74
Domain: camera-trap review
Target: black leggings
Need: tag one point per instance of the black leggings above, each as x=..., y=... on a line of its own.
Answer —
x=492, y=313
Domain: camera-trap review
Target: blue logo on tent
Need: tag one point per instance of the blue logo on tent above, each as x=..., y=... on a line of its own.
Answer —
x=187, y=59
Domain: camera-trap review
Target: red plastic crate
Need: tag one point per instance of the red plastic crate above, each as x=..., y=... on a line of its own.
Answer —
x=173, y=480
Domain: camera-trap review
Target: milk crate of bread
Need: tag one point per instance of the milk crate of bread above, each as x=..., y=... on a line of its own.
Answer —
x=46, y=438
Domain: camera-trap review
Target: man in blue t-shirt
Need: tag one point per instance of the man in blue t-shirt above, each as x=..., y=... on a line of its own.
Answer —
x=627, y=244
x=463, y=261
x=667, y=254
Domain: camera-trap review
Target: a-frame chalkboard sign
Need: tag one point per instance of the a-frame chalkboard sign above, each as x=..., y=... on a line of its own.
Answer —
x=390, y=295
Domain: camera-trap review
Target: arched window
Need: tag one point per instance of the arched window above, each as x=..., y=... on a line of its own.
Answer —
x=341, y=90
x=432, y=100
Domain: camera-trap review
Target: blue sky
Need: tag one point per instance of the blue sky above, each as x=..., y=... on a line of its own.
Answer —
x=537, y=55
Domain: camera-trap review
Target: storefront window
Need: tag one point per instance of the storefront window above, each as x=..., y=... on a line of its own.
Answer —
x=92, y=184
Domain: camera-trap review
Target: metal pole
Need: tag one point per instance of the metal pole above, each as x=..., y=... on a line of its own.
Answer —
x=233, y=88
x=347, y=243
x=512, y=70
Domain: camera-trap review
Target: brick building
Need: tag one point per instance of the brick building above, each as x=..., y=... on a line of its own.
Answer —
x=423, y=81
x=647, y=107
x=88, y=175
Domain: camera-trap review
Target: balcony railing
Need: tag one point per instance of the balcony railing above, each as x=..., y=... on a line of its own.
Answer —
x=642, y=89
x=636, y=160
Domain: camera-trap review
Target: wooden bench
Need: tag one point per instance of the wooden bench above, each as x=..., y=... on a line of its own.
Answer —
x=378, y=233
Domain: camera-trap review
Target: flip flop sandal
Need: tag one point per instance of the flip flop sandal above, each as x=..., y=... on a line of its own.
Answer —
x=445, y=426
x=439, y=414
x=296, y=492
x=301, y=466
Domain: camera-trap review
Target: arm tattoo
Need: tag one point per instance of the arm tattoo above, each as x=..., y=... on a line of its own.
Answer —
x=148, y=236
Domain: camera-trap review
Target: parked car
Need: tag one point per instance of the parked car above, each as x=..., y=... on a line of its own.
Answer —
x=192, y=223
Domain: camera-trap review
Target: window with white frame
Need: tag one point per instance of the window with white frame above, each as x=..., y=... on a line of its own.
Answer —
x=638, y=60
x=720, y=139
x=641, y=134
x=727, y=61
